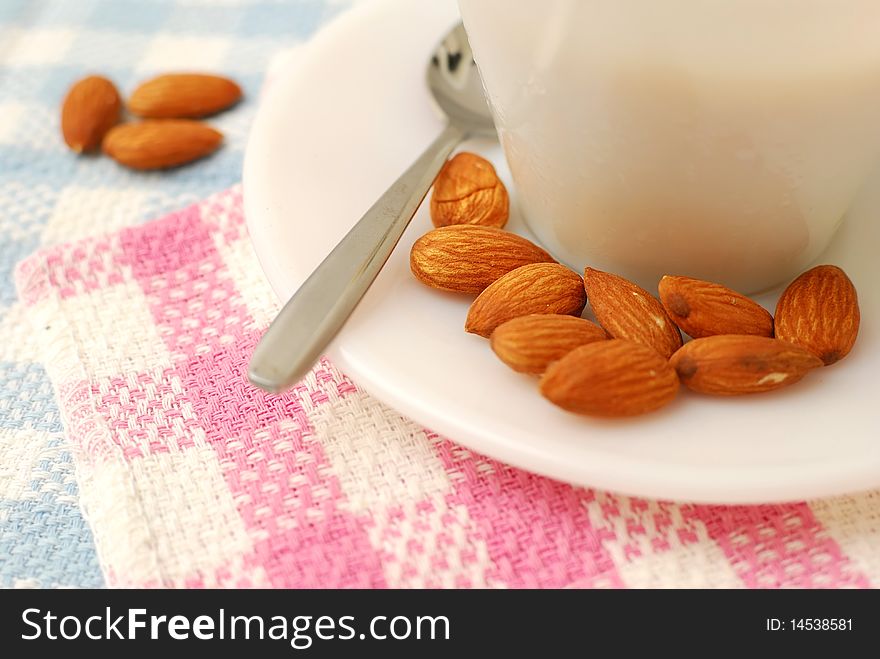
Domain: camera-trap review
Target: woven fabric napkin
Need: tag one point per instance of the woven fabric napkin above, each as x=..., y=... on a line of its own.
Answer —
x=48, y=196
x=191, y=477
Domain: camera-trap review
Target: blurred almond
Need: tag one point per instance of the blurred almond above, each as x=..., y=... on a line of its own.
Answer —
x=629, y=312
x=539, y=288
x=90, y=109
x=701, y=308
x=467, y=258
x=468, y=191
x=731, y=365
x=529, y=344
x=610, y=378
x=183, y=95
x=819, y=311
x=157, y=144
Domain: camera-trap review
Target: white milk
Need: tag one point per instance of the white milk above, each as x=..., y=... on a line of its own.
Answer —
x=722, y=139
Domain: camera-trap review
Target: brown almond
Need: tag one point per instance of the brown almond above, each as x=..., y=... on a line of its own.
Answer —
x=468, y=191
x=629, y=312
x=701, y=308
x=157, y=144
x=90, y=109
x=544, y=288
x=466, y=258
x=183, y=95
x=529, y=344
x=611, y=379
x=819, y=311
x=731, y=365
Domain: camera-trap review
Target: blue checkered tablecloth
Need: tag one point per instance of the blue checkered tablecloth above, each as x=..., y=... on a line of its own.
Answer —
x=47, y=195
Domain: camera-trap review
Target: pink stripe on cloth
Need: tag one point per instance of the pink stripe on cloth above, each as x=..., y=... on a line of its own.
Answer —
x=193, y=478
x=537, y=530
x=779, y=547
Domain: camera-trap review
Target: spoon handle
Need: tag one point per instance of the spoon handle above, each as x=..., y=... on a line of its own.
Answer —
x=300, y=334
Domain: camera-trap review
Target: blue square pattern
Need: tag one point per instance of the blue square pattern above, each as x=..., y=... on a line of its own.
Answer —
x=15, y=11
x=21, y=84
x=130, y=15
x=26, y=205
x=46, y=544
x=89, y=52
x=10, y=253
x=292, y=19
x=53, y=475
x=47, y=13
x=193, y=19
x=26, y=398
x=44, y=540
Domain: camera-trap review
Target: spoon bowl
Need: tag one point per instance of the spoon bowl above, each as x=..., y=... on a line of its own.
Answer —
x=456, y=86
x=310, y=320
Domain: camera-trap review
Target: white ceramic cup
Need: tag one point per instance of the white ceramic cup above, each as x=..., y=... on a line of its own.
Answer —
x=721, y=139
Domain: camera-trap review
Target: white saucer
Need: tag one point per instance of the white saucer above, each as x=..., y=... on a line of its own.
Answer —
x=343, y=121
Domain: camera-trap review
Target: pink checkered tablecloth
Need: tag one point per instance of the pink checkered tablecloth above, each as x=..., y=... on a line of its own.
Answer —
x=190, y=477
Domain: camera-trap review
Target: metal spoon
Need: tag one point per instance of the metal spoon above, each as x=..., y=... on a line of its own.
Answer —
x=318, y=310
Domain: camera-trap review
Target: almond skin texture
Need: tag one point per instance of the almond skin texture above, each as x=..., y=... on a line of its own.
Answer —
x=701, y=308
x=819, y=311
x=529, y=344
x=610, y=378
x=731, y=365
x=468, y=191
x=183, y=95
x=466, y=258
x=157, y=144
x=629, y=312
x=539, y=288
x=90, y=109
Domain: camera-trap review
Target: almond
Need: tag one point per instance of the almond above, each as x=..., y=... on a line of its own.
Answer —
x=544, y=288
x=701, y=308
x=183, y=95
x=730, y=365
x=629, y=312
x=529, y=344
x=468, y=191
x=156, y=144
x=90, y=109
x=819, y=311
x=466, y=258
x=610, y=378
